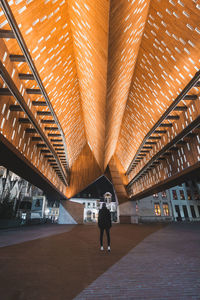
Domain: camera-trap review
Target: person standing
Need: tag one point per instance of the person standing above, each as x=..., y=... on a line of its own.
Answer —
x=104, y=223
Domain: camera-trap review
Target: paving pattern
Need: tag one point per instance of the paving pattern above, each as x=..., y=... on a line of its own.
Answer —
x=165, y=265
x=14, y=236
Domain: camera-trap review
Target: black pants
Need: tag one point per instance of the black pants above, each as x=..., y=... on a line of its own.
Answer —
x=107, y=233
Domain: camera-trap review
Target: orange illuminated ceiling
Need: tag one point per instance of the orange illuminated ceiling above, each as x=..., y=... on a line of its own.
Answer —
x=110, y=68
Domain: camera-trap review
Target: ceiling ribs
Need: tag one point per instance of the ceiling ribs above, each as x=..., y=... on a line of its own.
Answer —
x=6, y=34
x=163, y=151
x=181, y=96
x=27, y=58
x=31, y=119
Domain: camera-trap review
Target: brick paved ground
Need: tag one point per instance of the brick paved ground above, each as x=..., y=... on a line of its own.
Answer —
x=166, y=265
x=18, y=235
x=42, y=263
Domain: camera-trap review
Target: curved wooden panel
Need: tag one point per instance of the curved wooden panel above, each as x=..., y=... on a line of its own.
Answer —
x=83, y=172
x=167, y=60
x=89, y=23
x=127, y=22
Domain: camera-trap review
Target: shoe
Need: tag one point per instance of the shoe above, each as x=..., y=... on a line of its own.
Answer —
x=109, y=249
x=101, y=248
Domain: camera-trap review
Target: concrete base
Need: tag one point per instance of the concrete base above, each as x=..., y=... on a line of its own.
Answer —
x=65, y=217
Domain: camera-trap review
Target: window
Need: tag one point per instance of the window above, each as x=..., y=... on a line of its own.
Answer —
x=199, y=209
x=155, y=195
x=182, y=196
x=93, y=215
x=164, y=195
x=93, y=204
x=88, y=204
x=166, y=209
x=196, y=195
x=193, y=211
x=157, y=209
x=174, y=195
x=185, y=212
x=189, y=194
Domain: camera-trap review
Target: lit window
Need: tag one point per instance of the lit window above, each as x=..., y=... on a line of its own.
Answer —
x=196, y=195
x=182, y=195
x=174, y=194
x=189, y=194
x=155, y=195
x=166, y=209
x=157, y=209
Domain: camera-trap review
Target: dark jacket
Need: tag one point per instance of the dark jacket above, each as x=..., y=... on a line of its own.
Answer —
x=104, y=219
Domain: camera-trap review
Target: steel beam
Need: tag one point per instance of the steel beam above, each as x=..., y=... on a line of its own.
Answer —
x=166, y=148
x=17, y=58
x=6, y=34
x=5, y=92
x=23, y=76
x=13, y=24
x=39, y=103
x=33, y=91
x=172, y=107
x=17, y=95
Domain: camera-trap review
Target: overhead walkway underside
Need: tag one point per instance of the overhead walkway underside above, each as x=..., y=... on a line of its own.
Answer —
x=90, y=84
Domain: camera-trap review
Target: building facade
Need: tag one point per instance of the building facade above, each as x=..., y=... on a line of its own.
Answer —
x=179, y=203
x=92, y=206
x=185, y=199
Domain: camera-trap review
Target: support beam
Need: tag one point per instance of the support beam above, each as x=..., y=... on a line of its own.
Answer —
x=150, y=143
x=44, y=151
x=180, y=108
x=154, y=138
x=57, y=145
x=39, y=103
x=17, y=95
x=5, y=92
x=6, y=34
x=15, y=108
x=54, y=134
x=30, y=130
x=17, y=58
x=44, y=113
x=33, y=92
x=14, y=26
x=56, y=140
x=51, y=128
x=24, y=120
x=166, y=125
x=23, y=76
x=190, y=97
x=48, y=121
x=164, y=151
x=36, y=138
x=173, y=118
x=41, y=146
x=172, y=107
x=160, y=131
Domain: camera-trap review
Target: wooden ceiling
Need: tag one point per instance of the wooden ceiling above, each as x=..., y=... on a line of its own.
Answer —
x=110, y=68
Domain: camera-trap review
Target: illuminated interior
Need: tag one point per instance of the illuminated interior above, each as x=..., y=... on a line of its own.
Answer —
x=88, y=86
